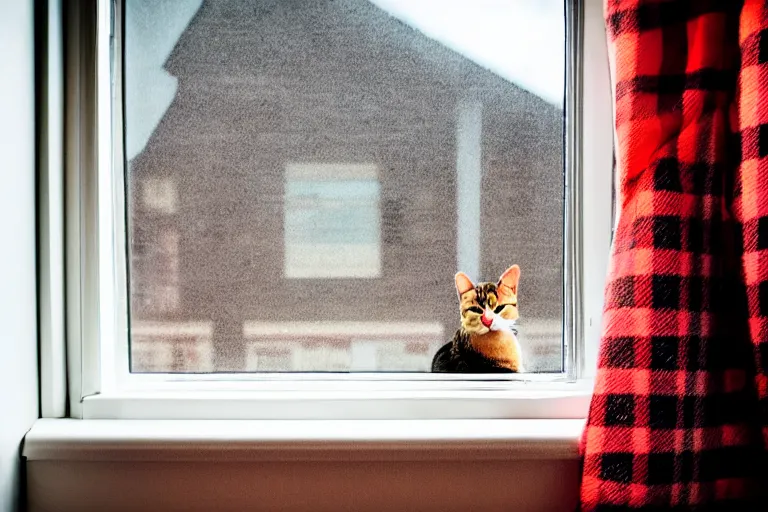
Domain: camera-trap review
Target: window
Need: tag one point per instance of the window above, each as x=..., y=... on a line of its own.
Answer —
x=332, y=227
x=159, y=195
x=155, y=280
x=286, y=189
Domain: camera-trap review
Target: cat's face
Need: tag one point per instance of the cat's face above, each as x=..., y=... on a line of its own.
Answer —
x=481, y=303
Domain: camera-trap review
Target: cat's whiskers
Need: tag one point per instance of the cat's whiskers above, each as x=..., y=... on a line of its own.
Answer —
x=500, y=323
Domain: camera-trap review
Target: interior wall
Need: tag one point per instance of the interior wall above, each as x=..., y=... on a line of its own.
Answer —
x=305, y=486
x=18, y=322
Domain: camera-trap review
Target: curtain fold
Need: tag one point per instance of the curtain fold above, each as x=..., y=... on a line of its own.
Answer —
x=678, y=419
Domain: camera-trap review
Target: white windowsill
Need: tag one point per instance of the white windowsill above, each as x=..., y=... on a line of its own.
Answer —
x=303, y=466
x=312, y=440
x=347, y=406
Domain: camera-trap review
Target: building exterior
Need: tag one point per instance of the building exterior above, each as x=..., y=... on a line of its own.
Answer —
x=321, y=174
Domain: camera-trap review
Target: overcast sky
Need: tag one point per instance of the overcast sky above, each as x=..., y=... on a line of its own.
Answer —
x=521, y=40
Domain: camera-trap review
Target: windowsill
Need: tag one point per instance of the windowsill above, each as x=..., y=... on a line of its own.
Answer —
x=312, y=440
x=303, y=466
x=344, y=400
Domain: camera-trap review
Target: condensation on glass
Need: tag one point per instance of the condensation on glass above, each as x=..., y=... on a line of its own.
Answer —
x=304, y=178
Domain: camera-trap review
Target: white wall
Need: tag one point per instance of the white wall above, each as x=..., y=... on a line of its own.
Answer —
x=18, y=323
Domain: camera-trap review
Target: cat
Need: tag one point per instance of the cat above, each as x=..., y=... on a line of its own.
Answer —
x=487, y=341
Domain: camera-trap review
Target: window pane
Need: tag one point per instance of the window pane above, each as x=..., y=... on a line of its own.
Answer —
x=305, y=178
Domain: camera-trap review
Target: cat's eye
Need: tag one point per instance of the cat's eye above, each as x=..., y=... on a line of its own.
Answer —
x=475, y=309
x=500, y=308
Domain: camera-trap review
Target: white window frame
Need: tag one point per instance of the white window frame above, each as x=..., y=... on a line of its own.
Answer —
x=82, y=207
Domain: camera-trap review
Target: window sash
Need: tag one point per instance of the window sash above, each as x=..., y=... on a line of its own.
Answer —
x=97, y=313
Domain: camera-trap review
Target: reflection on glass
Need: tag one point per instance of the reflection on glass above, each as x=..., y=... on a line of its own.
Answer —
x=304, y=178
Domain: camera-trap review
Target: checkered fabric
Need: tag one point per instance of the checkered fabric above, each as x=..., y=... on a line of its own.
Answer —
x=679, y=415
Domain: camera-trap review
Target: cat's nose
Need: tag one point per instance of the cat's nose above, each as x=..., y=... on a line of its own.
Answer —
x=486, y=319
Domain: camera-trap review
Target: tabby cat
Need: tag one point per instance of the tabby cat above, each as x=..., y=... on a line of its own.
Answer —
x=486, y=342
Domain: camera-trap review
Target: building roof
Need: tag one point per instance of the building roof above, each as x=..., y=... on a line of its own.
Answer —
x=340, y=42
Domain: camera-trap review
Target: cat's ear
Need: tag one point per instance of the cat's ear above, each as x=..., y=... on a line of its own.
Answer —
x=510, y=278
x=463, y=283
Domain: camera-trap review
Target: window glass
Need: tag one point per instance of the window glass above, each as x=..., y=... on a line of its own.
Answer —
x=305, y=178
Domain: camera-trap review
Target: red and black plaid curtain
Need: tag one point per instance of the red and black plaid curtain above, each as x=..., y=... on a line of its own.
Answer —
x=679, y=417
